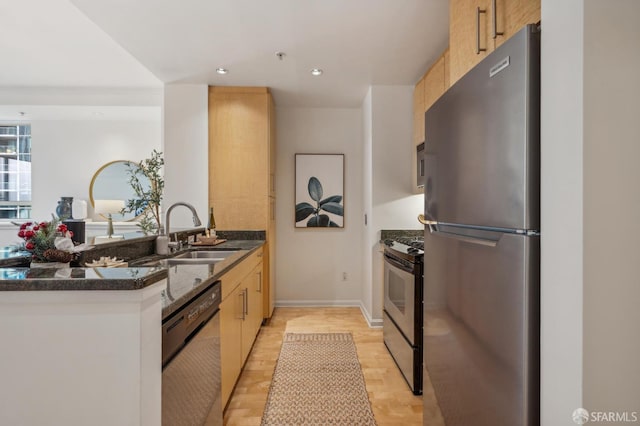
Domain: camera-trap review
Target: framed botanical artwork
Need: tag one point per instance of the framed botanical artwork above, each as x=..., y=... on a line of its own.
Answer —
x=319, y=197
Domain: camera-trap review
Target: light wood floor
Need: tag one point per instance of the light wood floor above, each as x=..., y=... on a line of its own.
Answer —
x=391, y=400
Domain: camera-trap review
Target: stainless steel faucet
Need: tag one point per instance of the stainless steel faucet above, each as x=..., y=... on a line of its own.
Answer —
x=196, y=219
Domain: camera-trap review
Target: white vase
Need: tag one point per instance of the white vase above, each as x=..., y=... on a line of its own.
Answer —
x=79, y=209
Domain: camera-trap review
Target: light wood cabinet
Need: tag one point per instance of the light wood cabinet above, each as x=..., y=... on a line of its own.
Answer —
x=512, y=15
x=469, y=38
x=447, y=70
x=418, y=113
x=242, y=164
x=432, y=85
x=230, y=342
x=251, y=289
x=269, y=270
x=240, y=317
x=418, y=130
x=477, y=27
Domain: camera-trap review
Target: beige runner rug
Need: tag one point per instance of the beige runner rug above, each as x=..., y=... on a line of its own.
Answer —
x=318, y=381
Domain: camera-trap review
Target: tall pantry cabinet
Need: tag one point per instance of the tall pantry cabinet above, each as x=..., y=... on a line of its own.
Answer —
x=242, y=142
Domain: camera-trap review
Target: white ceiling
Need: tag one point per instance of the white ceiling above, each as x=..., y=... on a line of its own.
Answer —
x=145, y=43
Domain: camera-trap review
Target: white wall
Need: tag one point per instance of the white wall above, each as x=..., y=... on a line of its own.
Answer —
x=186, y=152
x=387, y=118
x=590, y=207
x=310, y=262
x=67, y=153
x=76, y=131
x=369, y=233
x=561, y=213
x=611, y=344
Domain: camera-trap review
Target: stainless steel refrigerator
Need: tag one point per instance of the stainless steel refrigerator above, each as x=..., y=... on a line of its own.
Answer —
x=482, y=243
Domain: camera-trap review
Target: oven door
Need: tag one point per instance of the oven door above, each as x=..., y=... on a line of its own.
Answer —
x=399, y=295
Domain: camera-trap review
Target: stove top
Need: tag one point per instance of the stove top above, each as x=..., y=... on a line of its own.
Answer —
x=415, y=242
x=409, y=248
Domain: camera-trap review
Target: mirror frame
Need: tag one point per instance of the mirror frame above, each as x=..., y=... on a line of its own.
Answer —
x=93, y=180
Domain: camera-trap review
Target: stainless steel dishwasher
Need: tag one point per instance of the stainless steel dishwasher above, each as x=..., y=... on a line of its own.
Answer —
x=191, y=387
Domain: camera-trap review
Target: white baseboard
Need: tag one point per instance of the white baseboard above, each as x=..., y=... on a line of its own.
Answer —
x=373, y=323
x=316, y=303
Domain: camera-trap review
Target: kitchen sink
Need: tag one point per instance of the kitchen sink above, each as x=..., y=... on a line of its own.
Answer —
x=200, y=257
x=191, y=261
x=205, y=254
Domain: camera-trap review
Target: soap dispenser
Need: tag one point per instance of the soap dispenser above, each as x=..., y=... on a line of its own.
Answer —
x=162, y=243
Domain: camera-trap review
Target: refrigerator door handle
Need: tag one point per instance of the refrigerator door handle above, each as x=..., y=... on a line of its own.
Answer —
x=429, y=223
x=465, y=238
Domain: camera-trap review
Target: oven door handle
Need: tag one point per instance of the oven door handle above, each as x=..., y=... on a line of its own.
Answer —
x=393, y=262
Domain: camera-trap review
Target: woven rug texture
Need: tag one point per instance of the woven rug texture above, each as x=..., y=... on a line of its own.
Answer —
x=318, y=381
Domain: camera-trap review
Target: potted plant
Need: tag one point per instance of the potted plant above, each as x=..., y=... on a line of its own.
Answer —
x=147, y=182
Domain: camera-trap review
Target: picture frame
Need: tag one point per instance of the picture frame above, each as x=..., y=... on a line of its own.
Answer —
x=319, y=190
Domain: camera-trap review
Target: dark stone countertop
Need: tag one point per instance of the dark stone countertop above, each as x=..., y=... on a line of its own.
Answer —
x=11, y=256
x=187, y=281
x=183, y=281
x=397, y=233
x=73, y=279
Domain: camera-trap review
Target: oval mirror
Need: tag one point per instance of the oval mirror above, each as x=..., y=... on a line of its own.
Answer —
x=111, y=182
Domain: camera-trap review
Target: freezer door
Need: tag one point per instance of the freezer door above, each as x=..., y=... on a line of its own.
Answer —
x=481, y=327
x=482, y=148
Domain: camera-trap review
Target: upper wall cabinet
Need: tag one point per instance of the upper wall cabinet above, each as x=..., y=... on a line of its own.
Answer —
x=418, y=113
x=512, y=15
x=477, y=27
x=469, y=38
x=432, y=85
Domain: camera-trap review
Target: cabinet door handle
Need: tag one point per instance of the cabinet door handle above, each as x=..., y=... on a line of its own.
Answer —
x=260, y=282
x=245, y=303
x=478, y=48
x=241, y=295
x=494, y=31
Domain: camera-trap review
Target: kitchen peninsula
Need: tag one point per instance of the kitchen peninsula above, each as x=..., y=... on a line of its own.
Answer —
x=92, y=354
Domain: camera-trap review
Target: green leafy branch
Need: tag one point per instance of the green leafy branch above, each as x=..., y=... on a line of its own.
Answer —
x=330, y=205
x=148, y=198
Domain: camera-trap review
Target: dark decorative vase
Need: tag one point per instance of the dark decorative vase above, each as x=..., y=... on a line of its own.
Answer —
x=64, y=208
x=78, y=229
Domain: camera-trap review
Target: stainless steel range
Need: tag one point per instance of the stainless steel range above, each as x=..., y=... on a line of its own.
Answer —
x=403, y=299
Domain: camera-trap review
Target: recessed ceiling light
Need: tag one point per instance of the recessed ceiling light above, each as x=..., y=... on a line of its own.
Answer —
x=316, y=72
x=222, y=70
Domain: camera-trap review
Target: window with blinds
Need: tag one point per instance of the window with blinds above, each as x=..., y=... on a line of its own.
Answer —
x=15, y=171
